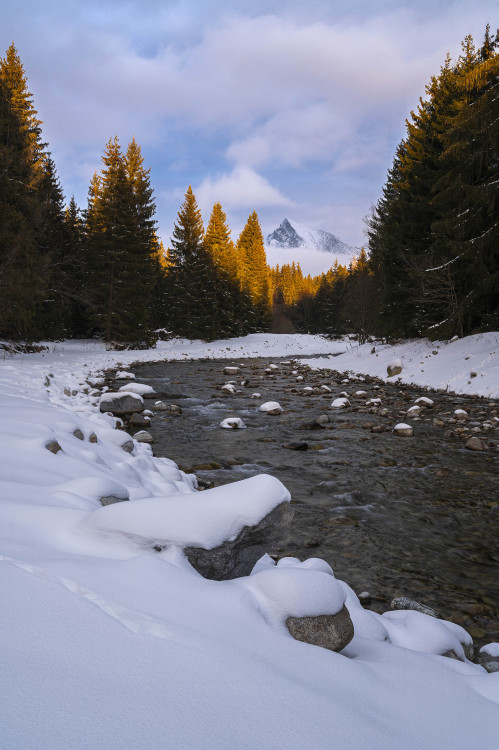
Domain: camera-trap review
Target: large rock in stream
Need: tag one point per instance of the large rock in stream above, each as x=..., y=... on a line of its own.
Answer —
x=236, y=558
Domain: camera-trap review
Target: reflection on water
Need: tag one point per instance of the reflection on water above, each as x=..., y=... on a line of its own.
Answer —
x=395, y=516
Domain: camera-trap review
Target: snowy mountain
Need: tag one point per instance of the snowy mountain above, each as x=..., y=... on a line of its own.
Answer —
x=315, y=249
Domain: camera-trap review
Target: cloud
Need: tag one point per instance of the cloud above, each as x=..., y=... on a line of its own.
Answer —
x=242, y=188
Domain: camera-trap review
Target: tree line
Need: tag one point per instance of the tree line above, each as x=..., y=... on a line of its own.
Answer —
x=434, y=233
x=432, y=266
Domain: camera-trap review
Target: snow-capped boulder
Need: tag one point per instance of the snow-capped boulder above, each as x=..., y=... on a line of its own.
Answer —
x=424, y=401
x=405, y=430
x=231, y=370
x=394, y=367
x=140, y=388
x=229, y=388
x=340, y=403
x=232, y=423
x=271, y=407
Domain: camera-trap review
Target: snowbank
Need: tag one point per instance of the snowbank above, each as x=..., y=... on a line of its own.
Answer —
x=469, y=365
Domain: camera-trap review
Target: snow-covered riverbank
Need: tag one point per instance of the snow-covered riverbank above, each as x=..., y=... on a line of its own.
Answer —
x=106, y=642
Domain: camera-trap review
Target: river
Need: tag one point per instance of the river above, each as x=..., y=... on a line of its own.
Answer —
x=395, y=516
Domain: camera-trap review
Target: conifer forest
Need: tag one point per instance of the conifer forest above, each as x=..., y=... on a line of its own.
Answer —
x=430, y=266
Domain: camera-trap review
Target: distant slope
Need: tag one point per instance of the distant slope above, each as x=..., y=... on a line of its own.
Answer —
x=315, y=249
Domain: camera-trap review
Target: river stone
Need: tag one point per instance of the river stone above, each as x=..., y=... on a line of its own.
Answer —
x=403, y=602
x=121, y=403
x=394, y=367
x=405, y=430
x=231, y=370
x=333, y=632
x=236, y=558
x=143, y=437
x=271, y=407
x=232, y=423
x=127, y=446
x=474, y=444
x=296, y=446
x=111, y=499
x=139, y=420
x=53, y=446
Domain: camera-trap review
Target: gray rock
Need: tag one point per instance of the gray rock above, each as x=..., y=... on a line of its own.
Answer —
x=490, y=664
x=53, y=446
x=121, y=403
x=333, y=632
x=403, y=602
x=296, y=446
x=92, y=438
x=128, y=446
x=111, y=499
x=236, y=558
x=79, y=434
x=139, y=420
x=143, y=437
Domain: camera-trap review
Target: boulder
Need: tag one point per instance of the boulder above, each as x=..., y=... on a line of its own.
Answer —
x=143, y=437
x=340, y=403
x=405, y=430
x=474, y=444
x=236, y=558
x=232, y=423
x=271, y=407
x=121, y=403
x=231, y=370
x=333, y=632
x=296, y=446
x=139, y=420
x=53, y=446
x=111, y=499
x=394, y=367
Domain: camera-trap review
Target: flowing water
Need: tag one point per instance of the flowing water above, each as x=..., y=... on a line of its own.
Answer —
x=395, y=516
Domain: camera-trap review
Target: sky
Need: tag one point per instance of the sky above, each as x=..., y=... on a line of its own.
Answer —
x=291, y=109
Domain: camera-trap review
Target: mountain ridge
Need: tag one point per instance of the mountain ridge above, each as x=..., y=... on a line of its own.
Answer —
x=291, y=234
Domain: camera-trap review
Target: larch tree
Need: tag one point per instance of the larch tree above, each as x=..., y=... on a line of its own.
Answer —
x=252, y=270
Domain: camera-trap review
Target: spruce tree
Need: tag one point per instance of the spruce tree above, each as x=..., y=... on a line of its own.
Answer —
x=192, y=276
x=23, y=276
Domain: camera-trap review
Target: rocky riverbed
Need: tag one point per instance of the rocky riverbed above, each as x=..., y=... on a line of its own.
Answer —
x=412, y=515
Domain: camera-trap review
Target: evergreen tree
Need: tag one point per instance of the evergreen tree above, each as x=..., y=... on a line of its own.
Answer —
x=23, y=277
x=192, y=276
x=120, y=242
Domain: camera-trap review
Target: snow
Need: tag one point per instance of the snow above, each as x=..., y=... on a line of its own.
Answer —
x=109, y=638
x=139, y=388
x=449, y=369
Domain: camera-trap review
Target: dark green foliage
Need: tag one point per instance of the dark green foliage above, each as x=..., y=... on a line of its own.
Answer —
x=23, y=277
x=433, y=234
x=120, y=243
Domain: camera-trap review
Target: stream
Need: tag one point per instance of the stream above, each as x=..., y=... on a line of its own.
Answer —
x=394, y=516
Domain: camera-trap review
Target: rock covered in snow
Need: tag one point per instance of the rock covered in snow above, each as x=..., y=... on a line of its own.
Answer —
x=425, y=402
x=271, y=407
x=394, y=368
x=140, y=388
x=121, y=403
x=124, y=375
x=340, y=403
x=405, y=430
x=232, y=423
x=229, y=388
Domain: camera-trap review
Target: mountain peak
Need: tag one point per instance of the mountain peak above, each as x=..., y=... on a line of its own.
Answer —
x=291, y=234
